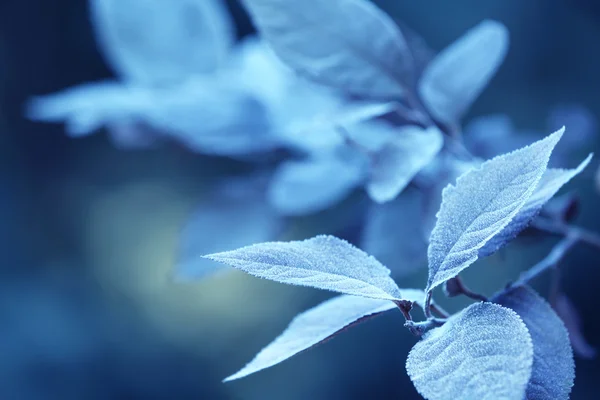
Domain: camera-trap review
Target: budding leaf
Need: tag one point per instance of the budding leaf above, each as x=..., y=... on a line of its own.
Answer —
x=553, y=369
x=394, y=166
x=481, y=205
x=548, y=186
x=162, y=42
x=313, y=327
x=323, y=262
x=454, y=79
x=483, y=351
x=348, y=44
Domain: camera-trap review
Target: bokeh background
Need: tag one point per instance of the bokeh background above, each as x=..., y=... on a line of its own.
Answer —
x=89, y=233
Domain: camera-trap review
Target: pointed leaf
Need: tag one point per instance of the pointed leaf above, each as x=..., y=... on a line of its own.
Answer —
x=480, y=206
x=549, y=185
x=235, y=214
x=312, y=185
x=323, y=262
x=391, y=234
x=162, y=42
x=314, y=327
x=348, y=44
x=483, y=352
x=394, y=166
x=456, y=77
x=572, y=320
x=553, y=369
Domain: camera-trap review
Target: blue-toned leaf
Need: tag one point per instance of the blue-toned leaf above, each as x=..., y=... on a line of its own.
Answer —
x=323, y=262
x=553, y=369
x=548, y=186
x=480, y=206
x=162, y=41
x=315, y=184
x=570, y=316
x=348, y=44
x=394, y=166
x=392, y=234
x=213, y=117
x=86, y=108
x=456, y=77
x=314, y=327
x=234, y=214
x=483, y=352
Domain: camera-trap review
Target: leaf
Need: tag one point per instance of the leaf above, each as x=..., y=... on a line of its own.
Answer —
x=391, y=234
x=483, y=352
x=234, y=214
x=548, y=186
x=394, y=166
x=162, y=42
x=323, y=262
x=212, y=116
x=480, y=206
x=308, y=186
x=456, y=77
x=314, y=327
x=91, y=106
x=347, y=44
x=553, y=369
x=572, y=320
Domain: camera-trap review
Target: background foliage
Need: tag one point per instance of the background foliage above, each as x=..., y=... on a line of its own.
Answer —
x=90, y=232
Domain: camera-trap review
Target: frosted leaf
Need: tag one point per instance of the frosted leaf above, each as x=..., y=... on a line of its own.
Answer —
x=234, y=214
x=158, y=42
x=394, y=166
x=315, y=184
x=348, y=44
x=314, y=327
x=454, y=79
x=548, y=186
x=553, y=369
x=323, y=262
x=481, y=205
x=483, y=352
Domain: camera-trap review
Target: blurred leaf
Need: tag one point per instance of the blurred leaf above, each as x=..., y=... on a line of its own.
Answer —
x=307, y=186
x=572, y=320
x=483, y=350
x=456, y=77
x=348, y=44
x=234, y=214
x=391, y=234
x=553, y=369
x=394, y=166
x=481, y=205
x=153, y=43
x=323, y=262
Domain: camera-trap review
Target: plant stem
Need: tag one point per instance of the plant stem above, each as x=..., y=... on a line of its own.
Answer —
x=427, y=308
x=556, y=228
x=459, y=288
x=550, y=261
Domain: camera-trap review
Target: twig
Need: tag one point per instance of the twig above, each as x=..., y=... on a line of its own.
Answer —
x=439, y=311
x=456, y=287
x=427, y=308
x=561, y=229
x=550, y=261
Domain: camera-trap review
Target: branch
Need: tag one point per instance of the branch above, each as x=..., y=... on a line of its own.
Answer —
x=557, y=253
x=562, y=229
